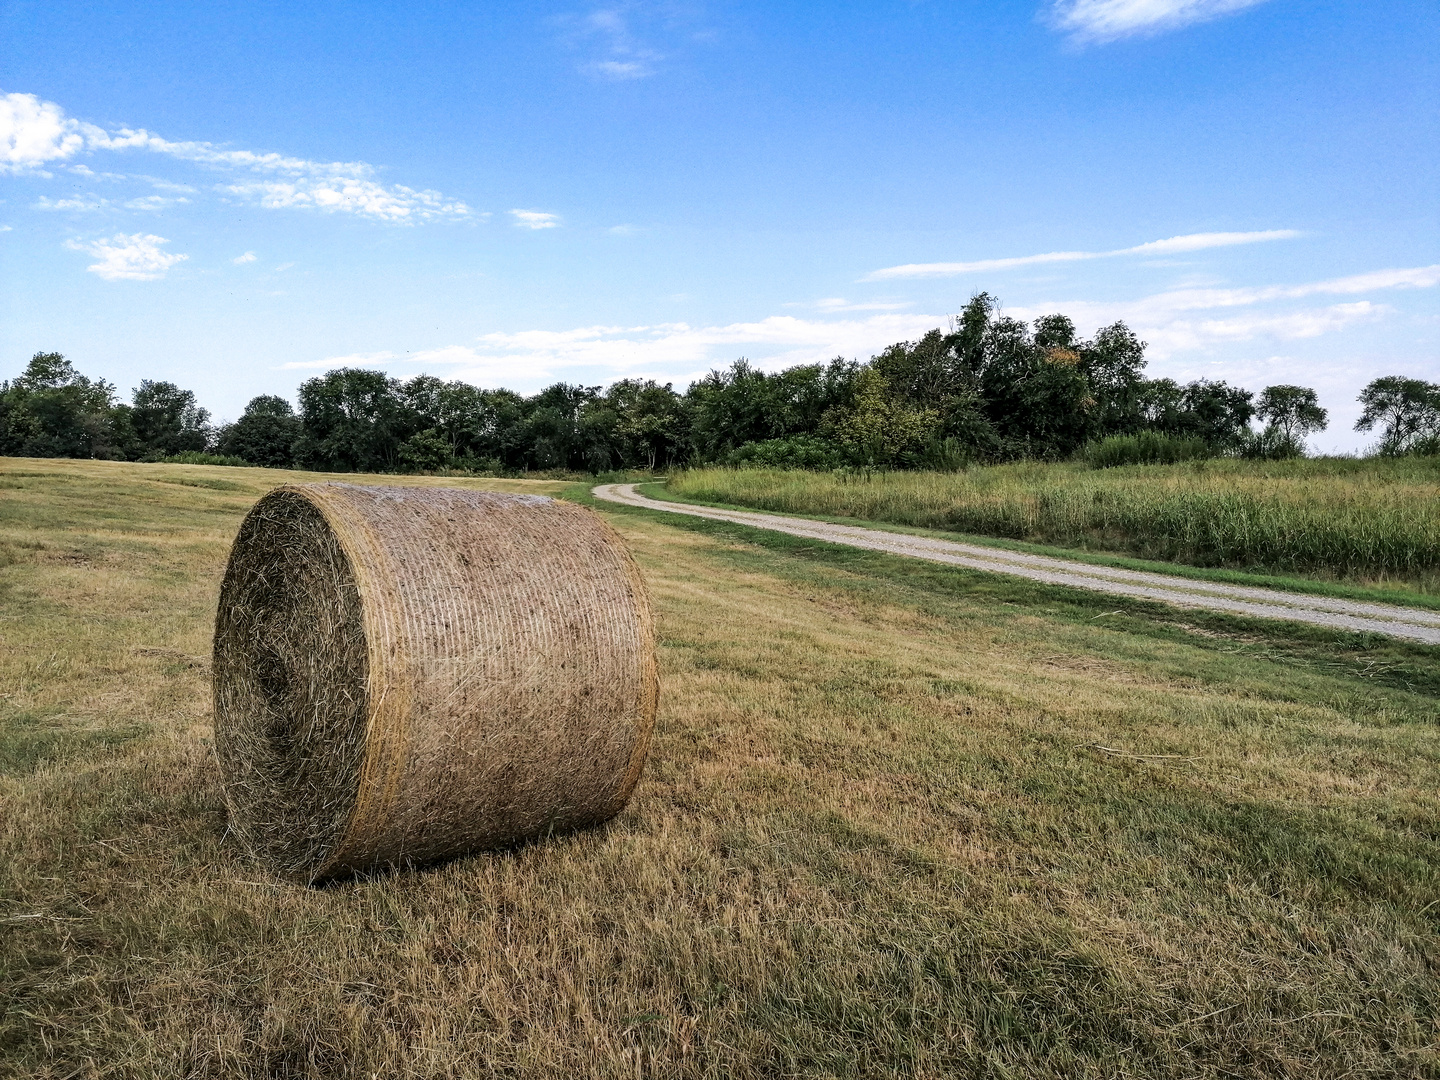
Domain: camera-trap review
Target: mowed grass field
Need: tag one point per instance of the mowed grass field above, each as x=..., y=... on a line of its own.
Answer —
x=1370, y=521
x=898, y=820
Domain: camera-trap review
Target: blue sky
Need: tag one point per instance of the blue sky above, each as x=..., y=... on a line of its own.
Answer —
x=238, y=197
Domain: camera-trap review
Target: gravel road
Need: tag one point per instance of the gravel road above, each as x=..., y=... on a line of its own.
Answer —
x=1412, y=624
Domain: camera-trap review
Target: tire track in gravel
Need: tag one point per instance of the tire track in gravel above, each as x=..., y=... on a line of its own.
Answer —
x=1411, y=624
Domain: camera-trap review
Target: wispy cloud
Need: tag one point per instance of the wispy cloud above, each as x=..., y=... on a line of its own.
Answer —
x=153, y=202
x=352, y=194
x=534, y=219
x=625, y=40
x=128, y=258
x=1175, y=321
x=77, y=204
x=670, y=351
x=373, y=359
x=839, y=303
x=88, y=203
x=240, y=260
x=621, y=70
x=609, y=30
x=1174, y=245
x=34, y=133
x=1108, y=20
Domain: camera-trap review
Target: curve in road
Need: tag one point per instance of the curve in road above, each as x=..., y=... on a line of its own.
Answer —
x=1411, y=624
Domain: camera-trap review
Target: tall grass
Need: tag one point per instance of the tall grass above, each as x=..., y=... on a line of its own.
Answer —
x=1369, y=520
x=1145, y=448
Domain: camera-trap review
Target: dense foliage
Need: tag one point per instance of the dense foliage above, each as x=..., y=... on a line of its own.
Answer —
x=990, y=389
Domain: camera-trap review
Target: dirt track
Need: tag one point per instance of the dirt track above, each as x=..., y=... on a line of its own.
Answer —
x=1411, y=624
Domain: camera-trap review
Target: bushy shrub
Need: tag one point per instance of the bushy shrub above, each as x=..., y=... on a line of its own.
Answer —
x=1145, y=448
x=1272, y=444
x=1426, y=446
x=795, y=452
x=200, y=457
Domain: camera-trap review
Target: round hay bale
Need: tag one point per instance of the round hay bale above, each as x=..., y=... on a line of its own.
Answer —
x=404, y=674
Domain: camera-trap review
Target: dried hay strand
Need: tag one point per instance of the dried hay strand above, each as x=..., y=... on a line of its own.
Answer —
x=407, y=674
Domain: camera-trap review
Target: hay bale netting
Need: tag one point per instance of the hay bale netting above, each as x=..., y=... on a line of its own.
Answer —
x=404, y=674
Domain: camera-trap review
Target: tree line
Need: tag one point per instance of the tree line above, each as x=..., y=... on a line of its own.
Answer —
x=990, y=388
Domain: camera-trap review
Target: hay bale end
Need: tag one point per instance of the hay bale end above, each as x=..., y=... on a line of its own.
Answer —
x=404, y=674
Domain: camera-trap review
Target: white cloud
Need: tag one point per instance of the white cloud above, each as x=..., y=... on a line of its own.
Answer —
x=1184, y=334
x=1169, y=321
x=153, y=202
x=353, y=194
x=622, y=230
x=85, y=203
x=1188, y=322
x=620, y=70
x=162, y=185
x=128, y=258
x=350, y=360
x=33, y=132
x=1156, y=309
x=625, y=56
x=1190, y=242
x=668, y=351
x=839, y=303
x=534, y=219
x=248, y=257
x=1107, y=20
x=78, y=204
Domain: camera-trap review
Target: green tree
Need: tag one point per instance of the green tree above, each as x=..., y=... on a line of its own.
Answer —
x=970, y=330
x=1161, y=404
x=1216, y=412
x=728, y=409
x=1035, y=389
x=51, y=410
x=1114, y=363
x=933, y=374
x=165, y=420
x=556, y=436
x=877, y=430
x=1406, y=410
x=649, y=425
x=425, y=451
x=266, y=434
x=1293, y=411
x=353, y=420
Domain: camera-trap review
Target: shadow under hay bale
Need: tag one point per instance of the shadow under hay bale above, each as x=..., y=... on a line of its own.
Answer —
x=406, y=674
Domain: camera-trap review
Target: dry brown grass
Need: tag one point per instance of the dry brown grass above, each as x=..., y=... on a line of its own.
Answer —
x=897, y=821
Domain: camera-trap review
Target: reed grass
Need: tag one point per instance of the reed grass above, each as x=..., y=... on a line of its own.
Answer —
x=1362, y=520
